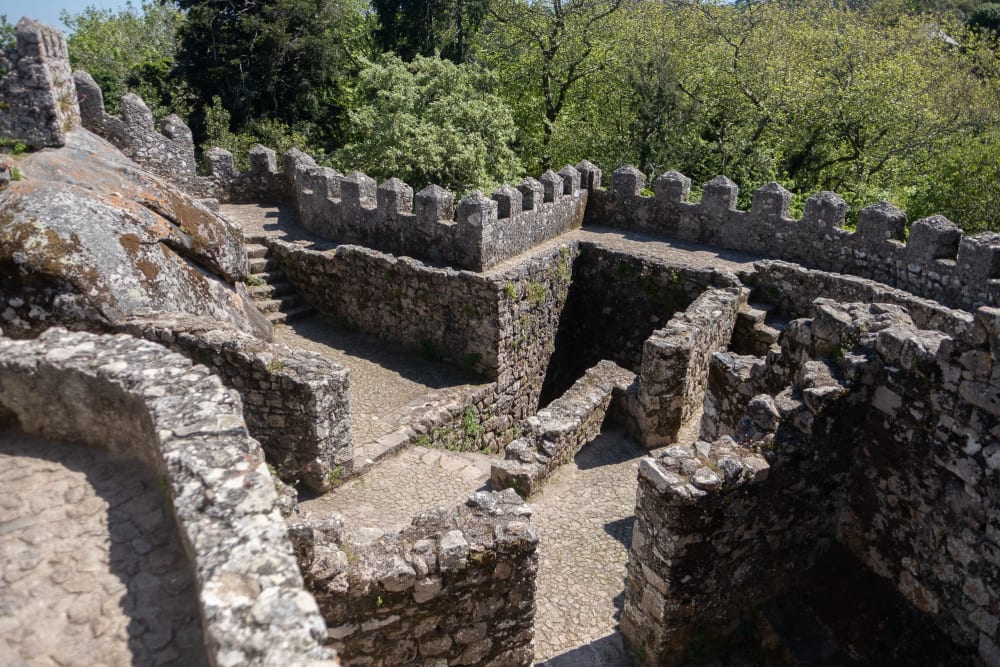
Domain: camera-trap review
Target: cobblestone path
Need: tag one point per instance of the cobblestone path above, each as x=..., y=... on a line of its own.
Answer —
x=92, y=567
x=386, y=381
x=584, y=516
x=416, y=479
x=584, y=519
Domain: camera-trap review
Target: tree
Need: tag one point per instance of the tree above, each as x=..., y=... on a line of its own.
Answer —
x=430, y=121
x=133, y=50
x=425, y=27
x=558, y=44
x=277, y=59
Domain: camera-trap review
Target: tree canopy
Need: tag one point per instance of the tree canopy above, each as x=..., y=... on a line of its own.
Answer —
x=896, y=99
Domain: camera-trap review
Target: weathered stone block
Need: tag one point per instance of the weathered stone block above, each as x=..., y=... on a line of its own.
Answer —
x=434, y=203
x=394, y=197
x=263, y=161
x=933, y=238
x=979, y=257
x=881, y=221
x=770, y=202
x=571, y=179
x=357, y=192
x=508, y=201
x=532, y=193
x=718, y=197
x=552, y=185
x=220, y=164
x=672, y=187
x=590, y=175
x=627, y=181
x=825, y=210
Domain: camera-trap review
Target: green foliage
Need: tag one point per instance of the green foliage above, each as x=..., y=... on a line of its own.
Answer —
x=7, y=38
x=429, y=27
x=15, y=174
x=269, y=59
x=12, y=146
x=269, y=132
x=132, y=50
x=430, y=121
x=986, y=17
x=536, y=292
x=471, y=428
x=545, y=51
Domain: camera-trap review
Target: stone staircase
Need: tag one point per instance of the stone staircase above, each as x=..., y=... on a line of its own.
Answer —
x=758, y=327
x=274, y=297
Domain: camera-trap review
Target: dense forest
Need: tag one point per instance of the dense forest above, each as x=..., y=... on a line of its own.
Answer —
x=873, y=99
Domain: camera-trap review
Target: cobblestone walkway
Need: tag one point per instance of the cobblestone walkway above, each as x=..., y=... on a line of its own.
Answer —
x=386, y=381
x=583, y=515
x=416, y=479
x=92, y=567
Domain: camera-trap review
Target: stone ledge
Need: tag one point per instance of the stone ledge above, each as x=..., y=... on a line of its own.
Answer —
x=138, y=399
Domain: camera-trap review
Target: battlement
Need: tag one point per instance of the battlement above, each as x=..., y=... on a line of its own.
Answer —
x=477, y=233
x=938, y=260
x=168, y=153
x=37, y=94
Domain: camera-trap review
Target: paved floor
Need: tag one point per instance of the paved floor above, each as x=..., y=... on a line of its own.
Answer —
x=584, y=519
x=387, y=382
x=416, y=479
x=92, y=568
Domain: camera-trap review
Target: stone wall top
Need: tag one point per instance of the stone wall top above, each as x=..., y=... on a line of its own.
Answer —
x=937, y=260
x=137, y=399
x=36, y=87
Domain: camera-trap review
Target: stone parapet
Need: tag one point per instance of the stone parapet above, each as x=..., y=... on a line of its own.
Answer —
x=295, y=402
x=139, y=400
x=455, y=587
x=37, y=93
x=936, y=261
x=675, y=363
x=555, y=434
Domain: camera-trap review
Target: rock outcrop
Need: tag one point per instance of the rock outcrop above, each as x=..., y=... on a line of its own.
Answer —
x=88, y=238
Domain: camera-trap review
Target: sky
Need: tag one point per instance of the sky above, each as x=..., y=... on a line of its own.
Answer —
x=47, y=11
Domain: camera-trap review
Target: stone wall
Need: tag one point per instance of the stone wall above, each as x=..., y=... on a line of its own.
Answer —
x=457, y=587
x=553, y=436
x=875, y=435
x=937, y=261
x=675, y=364
x=295, y=403
x=444, y=313
x=262, y=183
x=168, y=153
x=139, y=400
x=37, y=95
x=478, y=234
x=616, y=301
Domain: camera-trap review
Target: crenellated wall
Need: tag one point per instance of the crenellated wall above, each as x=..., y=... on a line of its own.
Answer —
x=476, y=234
x=936, y=260
x=37, y=95
x=168, y=154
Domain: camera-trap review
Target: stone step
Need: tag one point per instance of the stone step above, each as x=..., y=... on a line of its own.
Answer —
x=270, y=290
x=283, y=303
x=272, y=277
x=296, y=313
x=256, y=238
x=255, y=251
x=262, y=264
